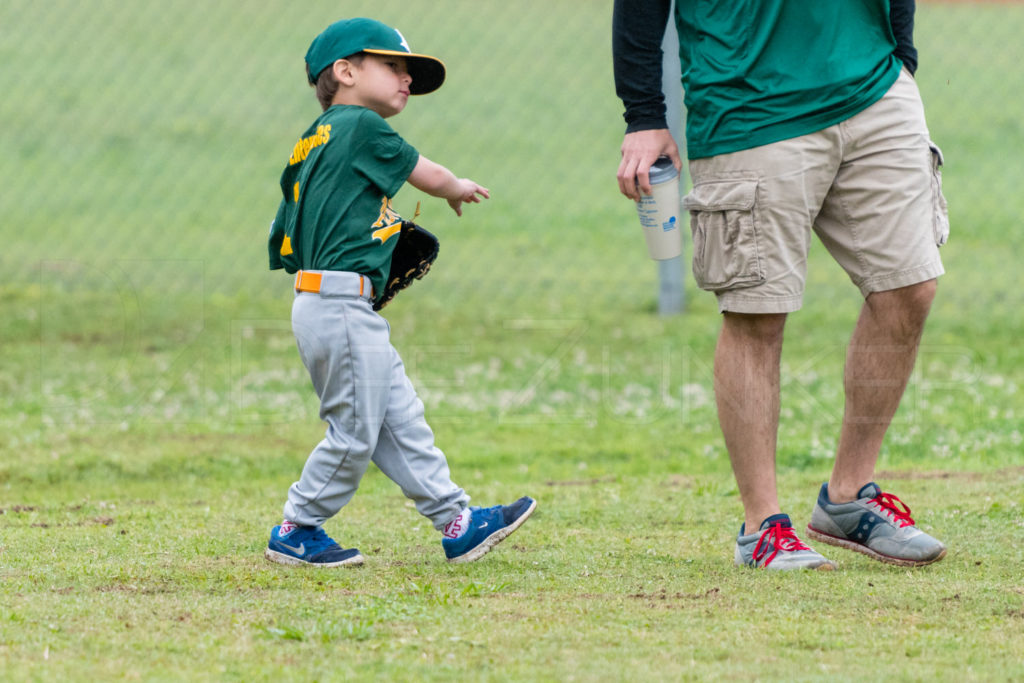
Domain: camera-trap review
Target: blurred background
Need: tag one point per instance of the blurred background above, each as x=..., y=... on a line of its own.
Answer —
x=141, y=145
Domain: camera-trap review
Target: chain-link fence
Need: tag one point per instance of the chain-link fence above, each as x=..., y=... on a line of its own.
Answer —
x=143, y=141
x=141, y=144
x=153, y=132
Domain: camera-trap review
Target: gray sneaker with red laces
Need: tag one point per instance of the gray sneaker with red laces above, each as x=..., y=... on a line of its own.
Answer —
x=776, y=546
x=877, y=524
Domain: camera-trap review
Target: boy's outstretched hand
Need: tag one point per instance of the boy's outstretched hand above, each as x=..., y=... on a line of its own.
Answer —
x=438, y=181
x=470, y=193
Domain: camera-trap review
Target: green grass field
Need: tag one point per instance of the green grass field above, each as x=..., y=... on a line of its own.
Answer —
x=153, y=410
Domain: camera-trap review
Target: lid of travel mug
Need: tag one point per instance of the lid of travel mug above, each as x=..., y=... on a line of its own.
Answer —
x=662, y=170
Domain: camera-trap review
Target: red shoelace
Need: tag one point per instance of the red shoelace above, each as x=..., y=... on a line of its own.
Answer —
x=776, y=538
x=894, y=508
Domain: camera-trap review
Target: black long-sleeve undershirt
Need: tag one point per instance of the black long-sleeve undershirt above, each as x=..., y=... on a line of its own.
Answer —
x=638, y=27
x=901, y=16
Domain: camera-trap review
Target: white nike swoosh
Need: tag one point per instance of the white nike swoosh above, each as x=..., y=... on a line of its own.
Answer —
x=484, y=525
x=301, y=550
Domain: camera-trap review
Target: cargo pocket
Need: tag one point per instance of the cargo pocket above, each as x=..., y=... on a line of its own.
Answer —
x=726, y=243
x=940, y=212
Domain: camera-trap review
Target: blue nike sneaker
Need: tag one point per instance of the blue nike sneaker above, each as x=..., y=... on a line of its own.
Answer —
x=487, y=528
x=291, y=544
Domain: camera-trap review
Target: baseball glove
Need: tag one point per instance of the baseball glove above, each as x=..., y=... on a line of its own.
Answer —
x=411, y=260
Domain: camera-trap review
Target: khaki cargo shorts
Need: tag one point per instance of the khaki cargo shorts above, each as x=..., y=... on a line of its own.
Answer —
x=869, y=187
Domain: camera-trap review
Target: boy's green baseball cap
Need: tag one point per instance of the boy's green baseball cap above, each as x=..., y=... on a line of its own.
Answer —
x=347, y=37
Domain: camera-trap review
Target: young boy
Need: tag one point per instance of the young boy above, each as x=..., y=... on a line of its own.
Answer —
x=336, y=229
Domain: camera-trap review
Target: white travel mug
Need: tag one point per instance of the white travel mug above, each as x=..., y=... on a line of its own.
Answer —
x=659, y=212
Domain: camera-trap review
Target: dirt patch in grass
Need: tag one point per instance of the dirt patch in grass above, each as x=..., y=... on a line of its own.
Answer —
x=943, y=474
x=664, y=600
x=18, y=508
x=582, y=482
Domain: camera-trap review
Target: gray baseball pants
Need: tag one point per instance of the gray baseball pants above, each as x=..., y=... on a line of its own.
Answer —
x=370, y=407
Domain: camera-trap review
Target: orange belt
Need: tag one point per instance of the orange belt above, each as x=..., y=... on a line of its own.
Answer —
x=310, y=282
x=306, y=281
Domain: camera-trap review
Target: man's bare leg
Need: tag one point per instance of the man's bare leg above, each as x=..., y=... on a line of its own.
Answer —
x=747, y=361
x=878, y=365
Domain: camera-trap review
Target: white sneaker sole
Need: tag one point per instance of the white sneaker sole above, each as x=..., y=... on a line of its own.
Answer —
x=281, y=558
x=494, y=539
x=864, y=550
x=825, y=565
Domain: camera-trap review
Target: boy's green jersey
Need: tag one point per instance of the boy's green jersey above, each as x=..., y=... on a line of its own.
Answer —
x=760, y=71
x=336, y=212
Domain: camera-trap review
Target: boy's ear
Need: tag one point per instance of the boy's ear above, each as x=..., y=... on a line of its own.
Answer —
x=343, y=72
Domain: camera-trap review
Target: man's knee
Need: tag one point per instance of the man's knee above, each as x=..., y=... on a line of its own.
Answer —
x=922, y=294
x=906, y=307
x=914, y=299
x=762, y=328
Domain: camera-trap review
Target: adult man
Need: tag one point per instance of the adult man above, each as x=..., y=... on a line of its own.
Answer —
x=800, y=117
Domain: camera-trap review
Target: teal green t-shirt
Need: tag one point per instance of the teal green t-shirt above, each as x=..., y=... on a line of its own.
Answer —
x=760, y=71
x=336, y=213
